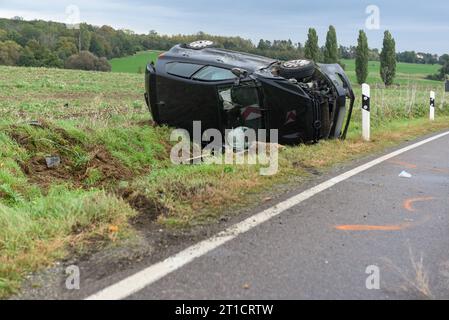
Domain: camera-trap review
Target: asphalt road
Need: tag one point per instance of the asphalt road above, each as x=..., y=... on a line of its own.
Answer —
x=321, y=248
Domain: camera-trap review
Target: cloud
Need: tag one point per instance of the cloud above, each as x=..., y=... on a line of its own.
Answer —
x=416, y=26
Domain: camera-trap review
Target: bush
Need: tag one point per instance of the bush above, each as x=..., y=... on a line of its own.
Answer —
x=435, y=77
x=37, y=55
x=103, y=64
x=9, y=53
x=87, y=61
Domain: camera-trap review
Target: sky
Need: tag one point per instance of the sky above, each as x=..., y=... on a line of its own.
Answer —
x=416, y=25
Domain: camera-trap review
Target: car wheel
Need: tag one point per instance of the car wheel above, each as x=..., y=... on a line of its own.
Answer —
x=297, y=69
x=201, y=44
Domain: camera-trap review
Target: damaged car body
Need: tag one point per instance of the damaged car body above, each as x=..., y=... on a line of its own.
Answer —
x=225, y=90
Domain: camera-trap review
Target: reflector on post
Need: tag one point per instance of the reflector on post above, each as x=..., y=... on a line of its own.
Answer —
x=432, y=105
x=366, y=112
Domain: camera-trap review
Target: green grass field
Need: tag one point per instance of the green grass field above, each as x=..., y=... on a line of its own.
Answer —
x=135, y=63
x=115, y=164
x=406, y=73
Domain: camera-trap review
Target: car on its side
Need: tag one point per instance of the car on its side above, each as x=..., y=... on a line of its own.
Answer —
x=225, y=90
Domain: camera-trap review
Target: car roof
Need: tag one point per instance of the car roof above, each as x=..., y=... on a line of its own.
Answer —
x=219, y=57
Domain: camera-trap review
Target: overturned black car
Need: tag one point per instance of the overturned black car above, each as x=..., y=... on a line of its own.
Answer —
x=224, y=90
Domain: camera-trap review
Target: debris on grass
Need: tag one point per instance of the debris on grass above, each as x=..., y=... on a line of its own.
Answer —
x=36, y=123
x=53, y=161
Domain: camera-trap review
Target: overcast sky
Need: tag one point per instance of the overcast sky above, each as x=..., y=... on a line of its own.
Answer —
x=416, y=25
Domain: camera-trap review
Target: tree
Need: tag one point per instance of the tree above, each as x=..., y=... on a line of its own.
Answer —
x=27, y=58
x=3, y=35
x=311, y=49
x=331, y=48
x=15, y=36
x=374, y=55
x=388, y=59
x=345, y=52
x=30, y=32
x=407, y=56
x=361, y=59
x=264, y=45
x=9, y=53
x=102, y=42
x=443, y=59
x=444, y=71
x=86, y=37
x=36, y=55
x=97, y=46
x=66, y=47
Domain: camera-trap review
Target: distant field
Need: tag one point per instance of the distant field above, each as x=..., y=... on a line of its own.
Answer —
x=405, y=73
x=135, y=63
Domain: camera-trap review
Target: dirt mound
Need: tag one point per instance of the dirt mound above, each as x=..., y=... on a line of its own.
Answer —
x=109, y=167
x=97, y=167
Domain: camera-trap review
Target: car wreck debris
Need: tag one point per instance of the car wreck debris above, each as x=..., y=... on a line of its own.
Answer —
x=53, y=162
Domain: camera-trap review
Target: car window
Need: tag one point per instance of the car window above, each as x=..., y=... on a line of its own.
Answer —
x=214, y=74
x=185, y=70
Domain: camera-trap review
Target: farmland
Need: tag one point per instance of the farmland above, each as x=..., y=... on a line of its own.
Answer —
x=135, y=63
x=115, y=167
x=406, y=73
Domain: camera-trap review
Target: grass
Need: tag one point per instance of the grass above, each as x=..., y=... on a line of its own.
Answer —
x=135, y=63
x=406, y=73
x=35, y=233
x=115, y=164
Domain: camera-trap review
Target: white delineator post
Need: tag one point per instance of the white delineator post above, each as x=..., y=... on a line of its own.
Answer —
x=366, y=112
x=432, y=105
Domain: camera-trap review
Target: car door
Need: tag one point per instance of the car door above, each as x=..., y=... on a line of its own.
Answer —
x=187, y=92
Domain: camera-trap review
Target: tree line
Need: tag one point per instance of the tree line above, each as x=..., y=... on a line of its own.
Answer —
x=362, y=53
x=50, y=44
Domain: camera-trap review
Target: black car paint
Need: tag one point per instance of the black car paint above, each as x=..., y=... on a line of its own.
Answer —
x=178, y=101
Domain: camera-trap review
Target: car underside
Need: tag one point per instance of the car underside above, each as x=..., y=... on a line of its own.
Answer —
x=226, y=90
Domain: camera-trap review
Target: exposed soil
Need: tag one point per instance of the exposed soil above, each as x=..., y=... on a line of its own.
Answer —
x=309, y=169
x=109, y=168
x=147, y=208
x=147, y=123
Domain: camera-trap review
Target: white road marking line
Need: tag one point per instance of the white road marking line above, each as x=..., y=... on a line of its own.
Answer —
x=150, y=275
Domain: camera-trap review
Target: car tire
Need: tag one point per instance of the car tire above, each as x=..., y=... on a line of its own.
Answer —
x=200, y=44
x=297, y=69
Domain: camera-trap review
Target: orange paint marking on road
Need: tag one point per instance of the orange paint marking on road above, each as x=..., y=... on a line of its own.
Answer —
x=408, y=165
x=440, y=170
x=404, y=164
x=372, y=228
x=408, y=204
